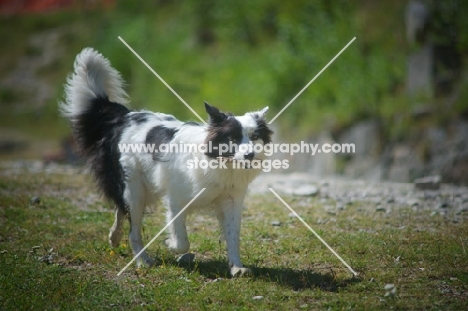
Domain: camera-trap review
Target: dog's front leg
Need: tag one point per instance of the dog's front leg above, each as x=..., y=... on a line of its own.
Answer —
x=178, y=240
x=230, y=220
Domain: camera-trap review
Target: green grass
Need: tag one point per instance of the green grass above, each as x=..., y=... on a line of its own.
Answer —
x=55, y=255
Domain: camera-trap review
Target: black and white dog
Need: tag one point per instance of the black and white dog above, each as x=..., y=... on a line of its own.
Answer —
x=96, y=106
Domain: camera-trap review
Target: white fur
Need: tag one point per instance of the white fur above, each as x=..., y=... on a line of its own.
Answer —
x=148, y=180
x=176, y=185
x=93, y=77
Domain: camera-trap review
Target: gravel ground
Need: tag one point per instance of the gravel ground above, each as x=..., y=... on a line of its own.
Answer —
x=337, y=193
x=334, y=193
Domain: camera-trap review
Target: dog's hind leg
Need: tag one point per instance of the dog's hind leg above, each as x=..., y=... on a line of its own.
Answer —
x=116, y=231
x=134, y=194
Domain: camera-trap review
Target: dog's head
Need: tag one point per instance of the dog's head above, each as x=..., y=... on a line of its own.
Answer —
x=237, y=138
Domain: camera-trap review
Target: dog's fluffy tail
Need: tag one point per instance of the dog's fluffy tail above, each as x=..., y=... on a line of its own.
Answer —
x=93, y=78
x=96, y=107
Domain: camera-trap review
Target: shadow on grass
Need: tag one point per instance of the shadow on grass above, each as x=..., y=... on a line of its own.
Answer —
x=291, y=278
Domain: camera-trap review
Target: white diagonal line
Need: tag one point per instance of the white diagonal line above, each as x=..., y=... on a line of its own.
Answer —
x=316, y=76
x=315, y=233
x=162, y=80
x=159, y=233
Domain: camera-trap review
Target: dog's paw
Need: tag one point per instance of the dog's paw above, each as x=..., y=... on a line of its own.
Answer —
x=239, y=272
x=113, y=242
x=178, y=247
x=114, y=238
x=145, y=262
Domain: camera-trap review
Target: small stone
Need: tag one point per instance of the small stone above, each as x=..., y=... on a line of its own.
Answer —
x=276, y=223
x=380, y=209
x=49, y=259
x=413, y=203
x=444, y=205
x=390, y=290
x=186, y=258
x=35, y=200
x=340, y=207
x=257, y=297
x=428, y=183
x=306, y=191
x=389, y=286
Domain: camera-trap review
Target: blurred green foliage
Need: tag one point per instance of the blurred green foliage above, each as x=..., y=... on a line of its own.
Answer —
x=244, y=55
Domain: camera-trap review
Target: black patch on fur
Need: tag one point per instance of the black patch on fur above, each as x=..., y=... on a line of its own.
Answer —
x=159, y=135
x=263, y=131
x=169, y=118
x=223, y=132
x=140, y=117
x=97, y=132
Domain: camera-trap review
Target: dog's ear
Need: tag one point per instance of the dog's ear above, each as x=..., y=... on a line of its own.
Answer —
x=261, y=113
x=216, y=116
x=264, y=111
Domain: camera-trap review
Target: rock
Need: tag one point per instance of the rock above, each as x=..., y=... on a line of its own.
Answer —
x=306, y=191
x=49, y=258
x=380, y=209
x=389, y=286
x=365, y=136
x=404, y=163
x=420, y=71
x=416, y=21
x=444, y=205
x=428, y=183
x=463, y=209
x=35, y=200
x=257, y=297
x=276, y=223
x=390, y=290
x=413, y=202
x=186, y=258
x=323, y=164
